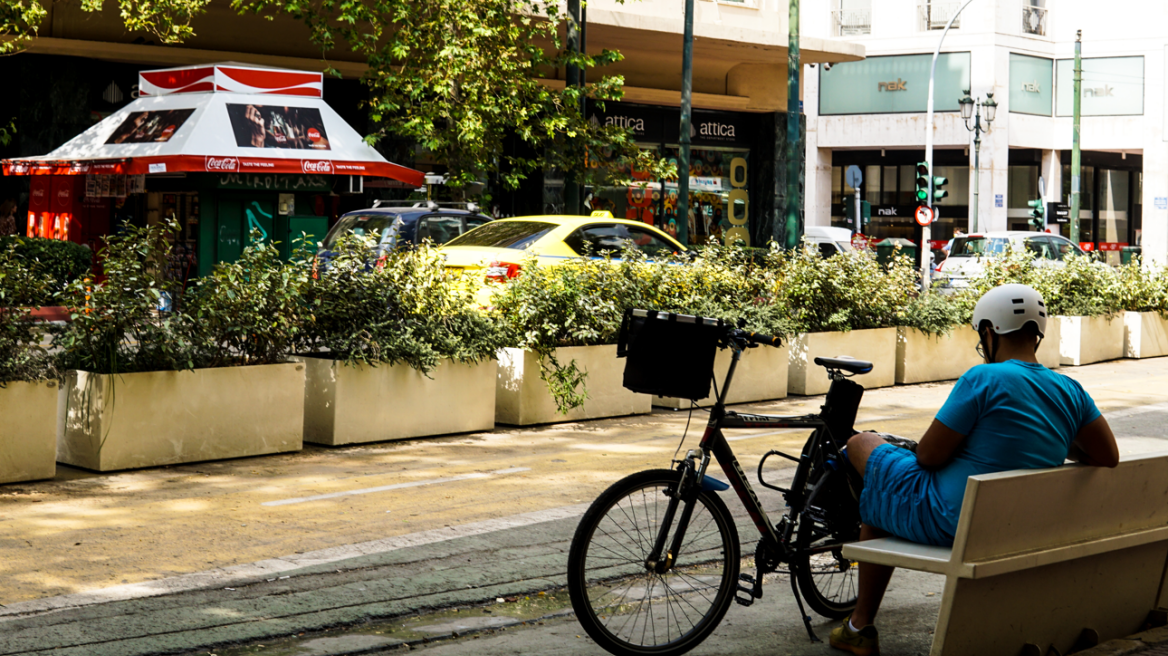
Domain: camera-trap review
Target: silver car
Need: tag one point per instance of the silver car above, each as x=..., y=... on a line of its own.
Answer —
x=967, y=253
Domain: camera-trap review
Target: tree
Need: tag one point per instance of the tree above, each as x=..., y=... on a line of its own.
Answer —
x=168, y=20
x=462, y=76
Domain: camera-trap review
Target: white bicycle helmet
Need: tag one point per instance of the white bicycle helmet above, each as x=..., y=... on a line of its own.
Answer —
x=1010, y=307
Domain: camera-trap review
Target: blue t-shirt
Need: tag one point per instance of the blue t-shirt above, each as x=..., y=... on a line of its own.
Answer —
x=1014, y=415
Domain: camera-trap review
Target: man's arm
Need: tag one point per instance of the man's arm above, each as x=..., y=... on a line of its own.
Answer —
x=938, y=445
x=1095, y=445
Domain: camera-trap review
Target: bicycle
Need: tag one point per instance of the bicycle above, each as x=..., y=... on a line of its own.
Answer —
x=654, y=563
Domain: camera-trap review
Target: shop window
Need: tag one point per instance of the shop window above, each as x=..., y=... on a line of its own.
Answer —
x=908, y=185
x=837, y=177
x=718, y=196
x=1022, y=187
x=888, y=186
x=958, y=186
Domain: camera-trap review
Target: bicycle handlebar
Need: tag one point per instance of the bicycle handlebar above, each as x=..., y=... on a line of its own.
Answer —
x=759, y=338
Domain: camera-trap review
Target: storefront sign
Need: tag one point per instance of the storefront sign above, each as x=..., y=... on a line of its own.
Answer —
x=1161, y=202
x=662, y=124
x=273, y=182
x=999, y=200
x=1031, y=85
x=893, y=84
x=1112, y=86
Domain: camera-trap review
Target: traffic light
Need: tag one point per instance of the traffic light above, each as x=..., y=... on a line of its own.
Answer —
x=938, y=192
x=1037, y=213
x=922, y=182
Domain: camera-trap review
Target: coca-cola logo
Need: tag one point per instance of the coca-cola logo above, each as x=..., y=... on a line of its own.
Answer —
x=63, y=195
x=319, y=166
x=222, y=164
x=38, y=194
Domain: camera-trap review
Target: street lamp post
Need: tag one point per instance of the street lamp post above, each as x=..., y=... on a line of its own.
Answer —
x=971, y=108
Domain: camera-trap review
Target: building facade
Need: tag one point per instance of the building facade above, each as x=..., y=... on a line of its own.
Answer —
x=739, y=83
x=872, y=114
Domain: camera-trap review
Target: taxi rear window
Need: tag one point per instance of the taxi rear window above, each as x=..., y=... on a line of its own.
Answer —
x=505, y=234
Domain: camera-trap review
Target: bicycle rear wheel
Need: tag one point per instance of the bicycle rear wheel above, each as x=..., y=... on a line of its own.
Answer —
x=627, y=608
x=828, y=581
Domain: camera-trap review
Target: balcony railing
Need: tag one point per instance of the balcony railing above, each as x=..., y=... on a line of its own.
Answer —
x=934, y=15
x=850, y=23
x=1035, y=20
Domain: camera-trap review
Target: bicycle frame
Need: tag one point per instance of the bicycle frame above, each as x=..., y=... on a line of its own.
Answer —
x=714, y=446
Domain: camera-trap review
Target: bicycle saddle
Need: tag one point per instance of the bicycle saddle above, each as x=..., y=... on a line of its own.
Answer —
x=844, y=363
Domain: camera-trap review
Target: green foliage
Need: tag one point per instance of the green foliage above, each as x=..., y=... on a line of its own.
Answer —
x=115, y=326
x=251, y=311
x=462, y=76
x=405, y=308
x=52, y=262
x=168, y=20
x=1143, y=289
x=932, y=314
x=848, y=291
x=21, y=356
x=1083, y=287
x=581, y=303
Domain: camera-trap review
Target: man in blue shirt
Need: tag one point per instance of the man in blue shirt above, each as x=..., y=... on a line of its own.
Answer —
x=1010, y=413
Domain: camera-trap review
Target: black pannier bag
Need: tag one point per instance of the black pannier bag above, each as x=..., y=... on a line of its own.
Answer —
x=669, y=354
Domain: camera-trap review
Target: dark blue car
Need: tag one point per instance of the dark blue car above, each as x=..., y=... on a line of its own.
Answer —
x=398, y=223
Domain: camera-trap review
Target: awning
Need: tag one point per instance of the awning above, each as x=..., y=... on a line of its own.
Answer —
x=222, y=118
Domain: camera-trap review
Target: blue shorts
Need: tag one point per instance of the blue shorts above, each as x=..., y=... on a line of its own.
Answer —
x=897, y=497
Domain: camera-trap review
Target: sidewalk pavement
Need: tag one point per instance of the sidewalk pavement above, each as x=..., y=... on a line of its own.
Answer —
x=194, y=558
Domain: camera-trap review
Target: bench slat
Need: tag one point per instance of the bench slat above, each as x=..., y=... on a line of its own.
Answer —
x=902, y=553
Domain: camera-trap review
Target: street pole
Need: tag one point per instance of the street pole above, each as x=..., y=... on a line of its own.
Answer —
x=976, y=166
x=686, y=98
x=572, y=75
x=793, y=231
x=926, y=231
x=1076, y=162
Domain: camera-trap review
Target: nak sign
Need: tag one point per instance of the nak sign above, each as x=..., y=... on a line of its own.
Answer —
x=924, y=215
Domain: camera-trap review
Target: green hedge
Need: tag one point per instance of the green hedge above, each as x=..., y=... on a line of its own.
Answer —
x=56, y=263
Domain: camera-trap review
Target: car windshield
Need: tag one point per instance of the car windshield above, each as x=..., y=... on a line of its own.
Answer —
x=505, y=234
x=380, y=226
x=974, y=246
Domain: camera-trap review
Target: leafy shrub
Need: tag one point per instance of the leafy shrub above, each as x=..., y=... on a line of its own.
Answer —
x=115, y=325
x=21, y=356
x=54, y=262
x=582, y=301
x=248, y=312
x=1142, y=289
x=407, y=309
x=847, y=291
x=932, y=314
x=1083, y=287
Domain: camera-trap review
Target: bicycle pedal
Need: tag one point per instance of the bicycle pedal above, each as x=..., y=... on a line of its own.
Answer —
x=753, y=592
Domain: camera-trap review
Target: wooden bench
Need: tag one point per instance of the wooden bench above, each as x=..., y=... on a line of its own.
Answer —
x=1040, y=555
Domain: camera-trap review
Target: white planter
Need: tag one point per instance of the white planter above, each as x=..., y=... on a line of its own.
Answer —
x=761, y=375
x=877, y=345
x=923, y=358
x=157, y=418
x=1145, y=335
x=351, y=405
x=1049, y=349
x=1084, y=340
x=28, y=431
x=522, y=398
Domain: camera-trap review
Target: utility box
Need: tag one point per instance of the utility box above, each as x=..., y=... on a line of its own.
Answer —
x=885, y=249
x=1129, y=253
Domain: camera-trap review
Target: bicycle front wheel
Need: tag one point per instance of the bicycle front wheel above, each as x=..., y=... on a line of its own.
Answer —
x=627, y=608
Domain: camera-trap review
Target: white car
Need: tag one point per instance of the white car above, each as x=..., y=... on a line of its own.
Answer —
x=829, y=241
x=967, y=255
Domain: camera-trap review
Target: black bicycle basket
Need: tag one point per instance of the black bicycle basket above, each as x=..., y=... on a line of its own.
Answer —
x=669, y=354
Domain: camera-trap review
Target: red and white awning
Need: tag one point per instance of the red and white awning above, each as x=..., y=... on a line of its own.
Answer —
x=221, y=118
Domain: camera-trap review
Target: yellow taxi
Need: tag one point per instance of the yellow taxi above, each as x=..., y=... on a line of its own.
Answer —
x=500, y=248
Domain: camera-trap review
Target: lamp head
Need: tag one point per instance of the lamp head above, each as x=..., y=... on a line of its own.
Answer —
x=991, y=106
x=966, y=106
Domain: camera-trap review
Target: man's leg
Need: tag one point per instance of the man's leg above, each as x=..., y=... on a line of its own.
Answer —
x=873, y=578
